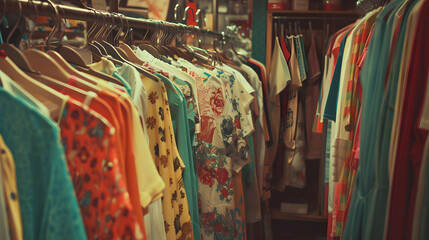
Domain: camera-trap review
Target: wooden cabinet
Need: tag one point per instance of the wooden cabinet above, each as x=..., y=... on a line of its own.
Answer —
x=314, y=224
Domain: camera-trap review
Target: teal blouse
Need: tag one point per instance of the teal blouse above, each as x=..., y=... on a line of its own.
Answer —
x=49, y=208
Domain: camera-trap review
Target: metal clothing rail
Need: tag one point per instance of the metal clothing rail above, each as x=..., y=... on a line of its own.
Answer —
x=69, y=12
x=343, y=18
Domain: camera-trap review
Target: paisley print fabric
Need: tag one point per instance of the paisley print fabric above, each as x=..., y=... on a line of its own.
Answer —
x=89, y=145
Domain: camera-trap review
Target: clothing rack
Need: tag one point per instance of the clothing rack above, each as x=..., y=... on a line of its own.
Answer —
x=69, y=12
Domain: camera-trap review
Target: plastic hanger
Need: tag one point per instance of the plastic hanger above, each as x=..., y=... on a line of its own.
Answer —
x=150, y=49
x=41, y=92
x=127, y=49
x=71, y=56
x=58, y=85
x=122, y=53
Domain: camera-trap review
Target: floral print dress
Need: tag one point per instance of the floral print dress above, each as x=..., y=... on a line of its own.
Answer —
x=89, y=146
x=175, y=207
x=232, y=152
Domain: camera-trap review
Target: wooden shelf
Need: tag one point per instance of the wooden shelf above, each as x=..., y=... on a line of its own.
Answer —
x=313, y=12
x=312, y=217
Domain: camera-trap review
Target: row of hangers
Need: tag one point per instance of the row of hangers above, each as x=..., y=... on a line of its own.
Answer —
x=34, y=68
x=366, y=6
x=293, y=28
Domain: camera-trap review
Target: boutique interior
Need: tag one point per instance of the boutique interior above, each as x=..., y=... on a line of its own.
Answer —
x=214, y=119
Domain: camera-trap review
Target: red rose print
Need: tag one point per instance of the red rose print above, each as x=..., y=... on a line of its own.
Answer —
x=205, y=177
x=222, y=175
x=224, y=192
x=211, y=216
x=217, y=102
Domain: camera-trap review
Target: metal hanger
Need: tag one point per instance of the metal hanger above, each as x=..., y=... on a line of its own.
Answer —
x=13, y=52
x=147, y=47
x=42, y=62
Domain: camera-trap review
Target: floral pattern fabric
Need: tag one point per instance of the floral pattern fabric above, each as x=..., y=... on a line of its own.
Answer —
x=215, y=192
x=89, y=145
x=175, y=207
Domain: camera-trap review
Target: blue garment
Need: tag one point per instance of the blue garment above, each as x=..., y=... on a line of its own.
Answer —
x=49, y=208
x=331, y=102
x=300, y=57
x=376, y=212
x=373, y=76
x=179, y=118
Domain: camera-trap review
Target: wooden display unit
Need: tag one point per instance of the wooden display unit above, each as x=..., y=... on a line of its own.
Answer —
x=313, y=224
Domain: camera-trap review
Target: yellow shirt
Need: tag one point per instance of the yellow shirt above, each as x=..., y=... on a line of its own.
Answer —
x=177, y=219
x=10, y=190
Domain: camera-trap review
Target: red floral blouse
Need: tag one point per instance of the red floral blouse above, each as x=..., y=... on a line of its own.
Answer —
x=91, y=154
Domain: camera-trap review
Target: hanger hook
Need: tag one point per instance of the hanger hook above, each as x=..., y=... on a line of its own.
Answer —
x=113, y=25
x=128, y=27
x=176, y=10
x=105, y=29
x=97, y=35
x=30, y=35
x=93, y=26
x=120, y=29
x=57, y=15
x=16, y=24
x=62, y=29
x=155, y=32
x=198, y=15
x=185, y=18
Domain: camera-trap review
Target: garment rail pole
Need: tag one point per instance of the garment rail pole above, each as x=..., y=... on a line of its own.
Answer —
x=352, y=18
x=44, y=9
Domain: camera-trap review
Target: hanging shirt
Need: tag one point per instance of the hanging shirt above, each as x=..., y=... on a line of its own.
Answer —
x=60, y=217
x=177, y=104
x=88, y=140
x=377, y=210
x=253, y=208
x=267, y=125
x=107, y=67
x=139, y=94
x=372, y=93
x=404, y=68
x=348, y=117
x=300, y=57
x=279, y=78
x=179, y=77
x=311, y=90
x=409, y=154
x=168, y=162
